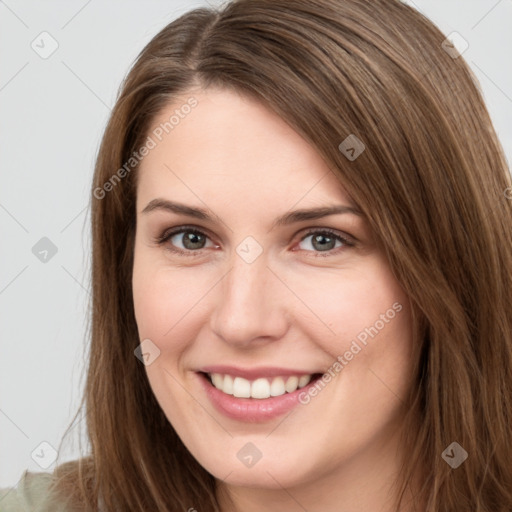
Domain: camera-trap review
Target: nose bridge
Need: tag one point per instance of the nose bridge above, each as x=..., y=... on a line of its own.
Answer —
x=245, y=305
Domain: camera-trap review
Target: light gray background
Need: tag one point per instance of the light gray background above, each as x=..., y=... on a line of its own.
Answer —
x=54, y=111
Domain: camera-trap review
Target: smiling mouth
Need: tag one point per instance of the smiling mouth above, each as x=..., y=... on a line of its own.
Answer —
x=261, y=388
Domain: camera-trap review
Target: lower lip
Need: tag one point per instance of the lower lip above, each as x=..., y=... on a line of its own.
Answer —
x=252, y=409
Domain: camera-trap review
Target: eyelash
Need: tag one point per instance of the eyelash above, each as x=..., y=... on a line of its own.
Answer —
x=167, y=235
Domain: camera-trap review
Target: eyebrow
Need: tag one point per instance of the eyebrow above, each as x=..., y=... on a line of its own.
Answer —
x=286, y=219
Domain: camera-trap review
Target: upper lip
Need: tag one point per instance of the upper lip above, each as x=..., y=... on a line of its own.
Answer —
x=254, y=373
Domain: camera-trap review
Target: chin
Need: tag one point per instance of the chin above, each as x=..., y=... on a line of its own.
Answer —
x=267, y=473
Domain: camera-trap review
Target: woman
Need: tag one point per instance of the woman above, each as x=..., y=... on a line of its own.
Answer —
x=301, y=225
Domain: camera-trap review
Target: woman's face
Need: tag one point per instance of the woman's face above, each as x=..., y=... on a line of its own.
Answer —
x=263, y=299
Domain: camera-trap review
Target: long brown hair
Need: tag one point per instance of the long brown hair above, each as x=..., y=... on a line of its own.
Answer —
x=432, y=181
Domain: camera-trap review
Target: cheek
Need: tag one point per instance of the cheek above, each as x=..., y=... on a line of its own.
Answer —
x=153, y=307
x=347, y=302
x=161, y=296
x=365, y=319
x=163, y=302
x=169, y=305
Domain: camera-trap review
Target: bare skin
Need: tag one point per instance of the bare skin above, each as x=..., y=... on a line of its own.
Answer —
x=300, y=304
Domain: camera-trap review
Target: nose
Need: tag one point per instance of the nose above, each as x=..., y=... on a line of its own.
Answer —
x=250, y=304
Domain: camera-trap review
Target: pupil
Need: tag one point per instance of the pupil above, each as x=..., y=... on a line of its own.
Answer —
x=322, y=246
x=192, y=238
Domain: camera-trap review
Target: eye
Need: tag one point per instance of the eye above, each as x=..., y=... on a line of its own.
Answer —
x=193, y=240
x=324, y=240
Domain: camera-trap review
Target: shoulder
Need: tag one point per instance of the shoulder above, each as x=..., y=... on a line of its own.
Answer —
x=31, y=494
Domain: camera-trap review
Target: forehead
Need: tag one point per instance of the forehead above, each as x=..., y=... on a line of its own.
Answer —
x=229, y=145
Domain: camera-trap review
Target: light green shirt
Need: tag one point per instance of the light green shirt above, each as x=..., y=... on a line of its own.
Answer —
x=31, y=494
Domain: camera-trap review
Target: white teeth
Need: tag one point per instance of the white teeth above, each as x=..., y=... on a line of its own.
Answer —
x=277, y=387
x=227, y=385
x=260, y=388
x=304, y=380
x=218, y=380
x=291, y=384
x=241, y=388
